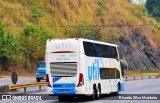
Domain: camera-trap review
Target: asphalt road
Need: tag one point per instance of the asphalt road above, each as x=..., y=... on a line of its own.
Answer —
x=6, y=80
x=146, y=86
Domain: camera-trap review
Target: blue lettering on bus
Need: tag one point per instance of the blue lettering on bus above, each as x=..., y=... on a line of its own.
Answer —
x=63, y=44
x=90, y=73
x=93, y=71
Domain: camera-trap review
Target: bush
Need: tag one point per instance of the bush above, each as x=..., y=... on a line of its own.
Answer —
x=8, y=48
x=33, y=42
x=153, y=7
x=36, y=12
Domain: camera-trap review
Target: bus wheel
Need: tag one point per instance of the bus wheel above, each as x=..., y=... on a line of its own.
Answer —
x=38, y=79
x=98, y=93
x=61, y=98
x=118, y=87
x=92, y=97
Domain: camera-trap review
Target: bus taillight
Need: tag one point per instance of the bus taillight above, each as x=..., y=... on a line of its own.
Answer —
x=81, y=80
x=47, y=81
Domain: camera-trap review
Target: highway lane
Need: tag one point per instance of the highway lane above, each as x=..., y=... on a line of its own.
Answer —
x=146, y=86
x=6, y=80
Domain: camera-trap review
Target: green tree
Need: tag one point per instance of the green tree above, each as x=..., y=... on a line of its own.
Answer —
x=33, y=42
x=8, y=48
x=153, y=7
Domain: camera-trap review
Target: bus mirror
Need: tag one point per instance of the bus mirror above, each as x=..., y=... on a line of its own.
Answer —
x=125, y=64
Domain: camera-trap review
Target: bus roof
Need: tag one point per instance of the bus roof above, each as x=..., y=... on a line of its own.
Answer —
x=88, y=40
x=99, y=42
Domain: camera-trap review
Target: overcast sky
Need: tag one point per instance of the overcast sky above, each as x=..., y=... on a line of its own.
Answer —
x=138, y=1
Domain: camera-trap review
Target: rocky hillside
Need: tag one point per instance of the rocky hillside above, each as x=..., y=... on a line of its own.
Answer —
x=138, y=52
x=28, y=22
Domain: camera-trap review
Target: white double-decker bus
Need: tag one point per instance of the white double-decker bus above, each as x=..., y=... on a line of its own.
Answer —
x=77, y=66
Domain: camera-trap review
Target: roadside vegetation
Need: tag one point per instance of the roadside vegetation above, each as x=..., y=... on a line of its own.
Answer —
x=25, y=25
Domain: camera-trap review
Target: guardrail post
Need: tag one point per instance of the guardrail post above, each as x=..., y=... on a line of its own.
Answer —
x=126, y=78
x=142, y=77
x=134, y=77
x=149, y=76
x=40, y=88
x=25, y=90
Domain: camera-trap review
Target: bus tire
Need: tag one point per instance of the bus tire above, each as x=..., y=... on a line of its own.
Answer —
x=118, y=88
x=61, y=98
x=93, y=96
x=38, y=79
x=98, y=92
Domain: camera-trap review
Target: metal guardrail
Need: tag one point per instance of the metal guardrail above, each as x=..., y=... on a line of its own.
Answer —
x=17, y=86
x=141, y=75
x=40, y=84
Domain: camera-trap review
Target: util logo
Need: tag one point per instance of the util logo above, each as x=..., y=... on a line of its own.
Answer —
x=63, y=44
x=93, y=70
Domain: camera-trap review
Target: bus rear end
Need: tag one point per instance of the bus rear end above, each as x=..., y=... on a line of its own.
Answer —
x=62, y=63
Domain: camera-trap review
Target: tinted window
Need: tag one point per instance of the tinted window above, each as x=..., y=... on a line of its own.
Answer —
x=89, y=49
x=122, y=68
x=117, y=73
x=112, y=73
x=109, y=73
x=113, y=52
x=103, y=73
x=100, y=50
x=42, y=64
x=120, y=52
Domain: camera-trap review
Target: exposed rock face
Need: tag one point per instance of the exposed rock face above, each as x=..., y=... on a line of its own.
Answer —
x=138, y=52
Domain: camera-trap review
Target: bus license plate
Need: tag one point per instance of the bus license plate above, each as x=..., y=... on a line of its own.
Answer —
x=64, y=90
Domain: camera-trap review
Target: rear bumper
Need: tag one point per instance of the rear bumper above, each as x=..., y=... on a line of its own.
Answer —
x=78, y=91
x=41, y=76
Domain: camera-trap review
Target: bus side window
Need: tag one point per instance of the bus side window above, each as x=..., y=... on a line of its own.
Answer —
x=112, y=73
x=89, y=49
x=116, y=56
x=122, y=68
x=108, y=73
x=108, y=51
x=103, y=73
x=117, y=74
x=113, y=53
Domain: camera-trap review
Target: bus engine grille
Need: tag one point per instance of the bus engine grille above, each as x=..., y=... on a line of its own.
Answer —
x=63, y=69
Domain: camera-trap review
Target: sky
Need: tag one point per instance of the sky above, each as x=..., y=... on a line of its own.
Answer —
x=138, y=1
